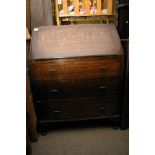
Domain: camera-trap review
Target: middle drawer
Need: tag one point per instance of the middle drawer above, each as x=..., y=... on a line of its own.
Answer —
x=49, y=90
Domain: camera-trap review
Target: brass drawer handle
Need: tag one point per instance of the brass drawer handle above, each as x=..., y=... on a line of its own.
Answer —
x=83, y=77
x=102, y=87
x=57, y=111
x=103, y=67
x=101, y=108
x=54, y=90
x=51, y=70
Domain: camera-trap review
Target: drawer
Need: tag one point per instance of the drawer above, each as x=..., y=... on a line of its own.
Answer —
x=76, y=68
x=76, y=109
x=49, y=90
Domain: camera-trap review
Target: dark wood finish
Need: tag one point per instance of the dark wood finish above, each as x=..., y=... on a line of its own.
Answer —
x=57, y=89
x=69, y=83
x=75, y=41
x=31, y=133
x=30, y=112
x=27, y=34
x=79, y=108
x=41, y=14
x=76, y=68
x=28, y=142
x=125, y=111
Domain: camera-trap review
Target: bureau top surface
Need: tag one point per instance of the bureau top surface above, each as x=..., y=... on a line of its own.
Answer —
x=75, y=41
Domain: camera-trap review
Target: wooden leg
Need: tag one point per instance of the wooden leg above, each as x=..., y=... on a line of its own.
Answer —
x=32, y=120
x=115, y=123
x=30, y=113
x=43, y=129
x=32, y=130
x=28, y=143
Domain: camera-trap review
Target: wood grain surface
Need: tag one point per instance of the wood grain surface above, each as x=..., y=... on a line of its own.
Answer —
x=76, y=72
x=76, y=109
x=27, y=34
x=75, y=41
x=30, y=113
x=51, y=90
x=78, y=68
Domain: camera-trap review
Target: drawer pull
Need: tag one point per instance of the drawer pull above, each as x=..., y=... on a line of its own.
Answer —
x=51, y=70
x=54, y=90
x=101, y=108
x=57, y=111
x=103, y=67
x=102, y=87
x=84, y=77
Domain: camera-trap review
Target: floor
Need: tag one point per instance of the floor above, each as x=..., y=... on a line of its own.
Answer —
x=83, y=139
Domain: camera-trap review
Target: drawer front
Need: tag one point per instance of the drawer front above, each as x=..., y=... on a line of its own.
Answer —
x=76, y=109
x=76, y=88
x=76, y=69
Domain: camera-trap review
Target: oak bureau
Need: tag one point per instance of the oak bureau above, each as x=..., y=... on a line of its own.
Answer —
x=76, y=72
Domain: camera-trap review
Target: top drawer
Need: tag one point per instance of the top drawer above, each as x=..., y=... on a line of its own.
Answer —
x=79, y=68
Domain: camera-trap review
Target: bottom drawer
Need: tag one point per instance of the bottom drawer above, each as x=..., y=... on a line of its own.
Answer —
x=78, y=109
